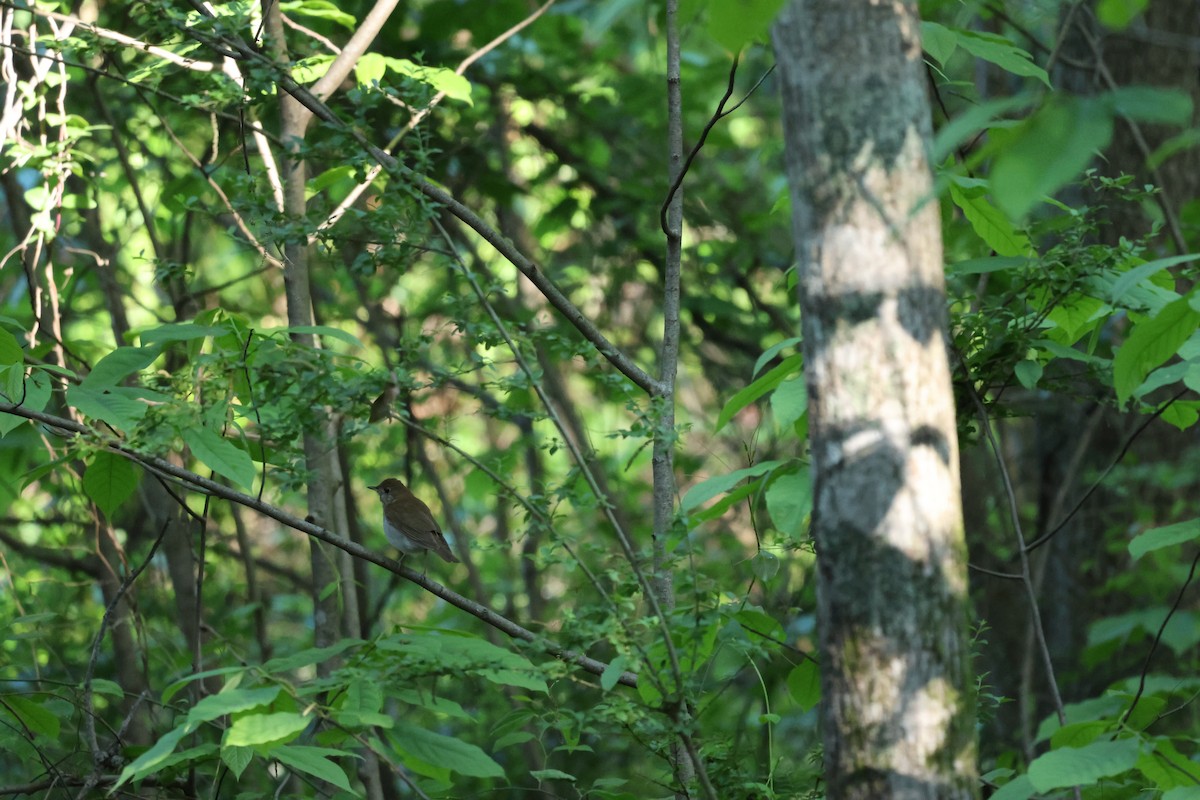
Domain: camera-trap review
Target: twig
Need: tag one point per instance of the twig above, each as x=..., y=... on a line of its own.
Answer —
x=89, y=707
x=1015, y=514
x=1158, y=638
x=719, y=114
x=1045, y=537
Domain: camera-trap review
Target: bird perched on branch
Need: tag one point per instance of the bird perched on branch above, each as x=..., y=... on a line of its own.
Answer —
x=408, y=523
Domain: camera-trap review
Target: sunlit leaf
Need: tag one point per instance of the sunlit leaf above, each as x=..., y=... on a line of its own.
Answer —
x=257, y=729
x=1152, y=342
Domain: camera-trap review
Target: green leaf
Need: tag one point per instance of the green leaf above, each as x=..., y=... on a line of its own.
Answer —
x=978, y=266
x=1178, y=143
x=1082, y=766
x=552, y=775
x=320, y=9
x=938, y=41
x=989, y=223
x=329, y=177
x=445, y=751
x=321, y=330
x=1143, y=271
x=11, y=351
x=773, y=351
x=718, y=509
x=733, y=24
x=1076, y=315
x=1047, y=151
x=789, y=401
x=1117, y=14
x=804, y=683
x=765, y=565
x=966, y=125
x=257, y=729
x=220, y=455
x=311, y=655
x=107, y=687
x=1019, y=788
x=758, y=388
x=613, y=672
x=37, y=394
x=1165, y=376
x=1168, y=769
x=173, y=688
x=512, y=677
x=309, y=70
x=1151, y=343
x=369, y=69
x=509, y=739
x=237, y=759
x=230, y=701
x=120, y=407
x=198, y=753
x=12, y=378
x=178, y=332
x=109, y=481
x=1166, y=536
x=706, y=490
x=32, y=715
x=1002, y=53
x=1151, y=104
x=438, y=705
x=759, y=623
x=313, y=761
x=119, y=365
x=649, y=693
x=789, y=500
x=1028, y=372
x=455, y=86
x=1182, y=414
x=148, y=762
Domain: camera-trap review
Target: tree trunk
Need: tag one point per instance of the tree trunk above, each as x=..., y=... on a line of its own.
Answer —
x=898, y=701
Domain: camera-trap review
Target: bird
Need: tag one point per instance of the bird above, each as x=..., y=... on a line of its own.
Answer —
x=408, y=523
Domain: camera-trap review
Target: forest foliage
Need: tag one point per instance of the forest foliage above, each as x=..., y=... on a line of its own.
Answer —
x=160, y=622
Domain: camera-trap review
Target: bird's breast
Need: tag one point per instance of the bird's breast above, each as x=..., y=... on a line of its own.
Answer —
x=399, y=538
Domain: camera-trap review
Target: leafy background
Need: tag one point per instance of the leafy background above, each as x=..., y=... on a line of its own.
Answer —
x=143, y=299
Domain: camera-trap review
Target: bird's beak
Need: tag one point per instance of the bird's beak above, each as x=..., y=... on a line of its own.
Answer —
x=373, y=487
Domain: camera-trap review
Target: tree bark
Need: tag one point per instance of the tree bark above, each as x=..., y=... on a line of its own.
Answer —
x=898, y=708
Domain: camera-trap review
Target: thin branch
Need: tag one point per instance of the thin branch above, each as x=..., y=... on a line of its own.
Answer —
x=717, y=116
x=192, y=64
x=361, y=39
x=1158, y=638
x=1015, y=514
x=1045, y=537
x=90, y=711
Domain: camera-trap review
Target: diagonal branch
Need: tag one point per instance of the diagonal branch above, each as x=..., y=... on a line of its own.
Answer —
x=202, y=484
x=355, y=48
